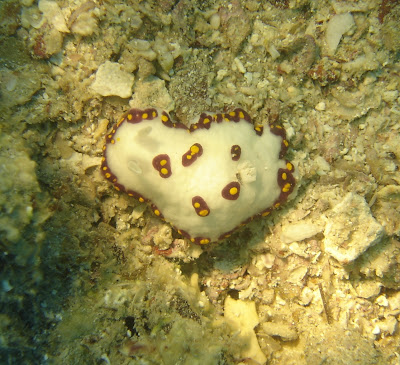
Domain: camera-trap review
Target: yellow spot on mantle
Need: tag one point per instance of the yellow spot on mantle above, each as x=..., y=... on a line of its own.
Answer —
x=194, y=149
x=233, y=191
x=286, y=188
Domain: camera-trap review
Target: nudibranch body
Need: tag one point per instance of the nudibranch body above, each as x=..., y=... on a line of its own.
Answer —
x=206, y=179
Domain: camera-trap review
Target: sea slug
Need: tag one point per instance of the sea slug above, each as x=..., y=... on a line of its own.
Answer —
x=206, y=179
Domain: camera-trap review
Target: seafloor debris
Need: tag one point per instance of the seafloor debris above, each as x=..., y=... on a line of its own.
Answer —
x=351, y=229
x=82, y=263
x=112, y=80
x=244, y=317
x=338, y=25
x=82, y=21
x=302, y=54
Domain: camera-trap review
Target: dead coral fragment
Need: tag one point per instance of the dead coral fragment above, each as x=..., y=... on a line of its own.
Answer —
x=243, y=316
x=53, y=14
x=235, y=24
x=302, y=53
x=112, y=80
x=284, y=331
x=47, y=42
x=351, y=229
x=89, y=5
x=82, y=21
x=338, y=25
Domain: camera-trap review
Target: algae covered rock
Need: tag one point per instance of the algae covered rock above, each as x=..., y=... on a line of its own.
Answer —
x=17, y=190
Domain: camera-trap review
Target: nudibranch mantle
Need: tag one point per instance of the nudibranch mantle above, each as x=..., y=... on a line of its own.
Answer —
x=206, y=179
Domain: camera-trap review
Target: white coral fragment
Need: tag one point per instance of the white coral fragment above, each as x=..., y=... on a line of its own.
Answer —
x=351, y=229
x=243, y=315
x=285, y=331
x=111, y=80
x=298, y=232
x=52, y=12
x=337, y=26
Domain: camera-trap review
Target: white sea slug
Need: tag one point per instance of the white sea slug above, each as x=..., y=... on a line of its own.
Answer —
x=206, y=179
